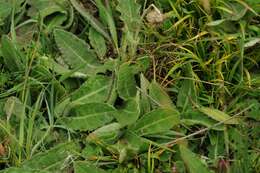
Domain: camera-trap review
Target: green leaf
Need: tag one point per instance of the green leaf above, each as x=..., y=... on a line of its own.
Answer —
x=144, y=101
x=159, y=96
x=85, y=167
x=126, y=84
x=95, y=89
x=89, y=116
x=191, y=118
x=98, y=42
x=252, y=42
x=52, y=13
x=92, y=20
x=108, y=133
x=157, y=121
x=218, y=115
x=14, y=106
x=233, y=11
x=76, y=52
x=192, y=162
x=5, y=11
x=129, y=113
x=22, y=170
x=186, y=92
x=106, y=15
x=52, y=159
x=12, y=56
x=130, y=14
x=216, y=22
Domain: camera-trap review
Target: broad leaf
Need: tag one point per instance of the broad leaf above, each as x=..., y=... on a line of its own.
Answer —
x=23, y=170
x=106, y=15
x=5, y=11
x=14, y=106
x=53, y=13
x=108, y=133
x=191, y=118
x=52, y=159
x=89, y=116
x=157, y=121
x=126, y=84
x=159, y=96
x=234, y=11
x=12, y=57
x=145, y=105
x=129, y=113
x=252, y=42
x=92, y=20
x=76, y=52
x=218, y=115
x=98, y=42
x=130, y=10
x=85, y=167
x=95, y=89
x=186, y=93
x=192, y=162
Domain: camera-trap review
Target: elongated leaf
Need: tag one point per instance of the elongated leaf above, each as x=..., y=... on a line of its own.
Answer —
x=108, y=133
x=14, y=106
x=145, y=105
x=126, y=84
x=218, y=115
x=107, y=17
x=191, y=118
x=252, y=42
x=52, y=159
x=216, y=22
x=95, y=89
x=192, y=162
x=186, y=92
x=129, y=113
x=234, y=11
x=157, y=121
x=23, y=170
x=76, y=52
x=92, y=20
x=12, y=57
x=130, y=14
x=98, y=42
x=85, y=167
x=5, y=10
x=53, y=13
x=159, y=96
x=89, y=116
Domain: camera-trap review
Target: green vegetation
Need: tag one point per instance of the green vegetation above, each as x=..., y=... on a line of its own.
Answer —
x=129, y=86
